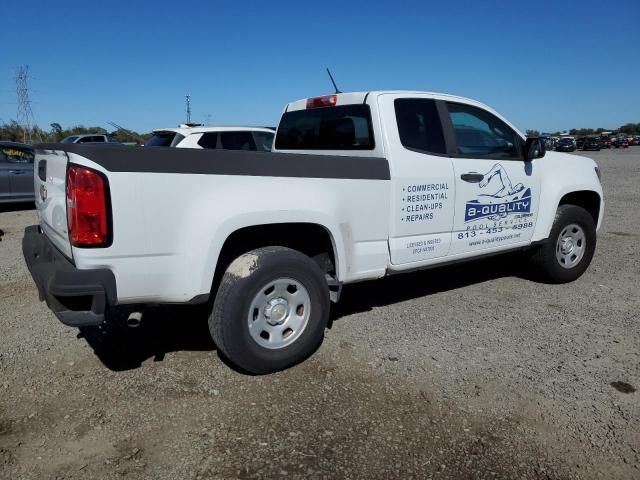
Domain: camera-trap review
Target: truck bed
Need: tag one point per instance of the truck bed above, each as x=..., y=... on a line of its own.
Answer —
x=119, y=158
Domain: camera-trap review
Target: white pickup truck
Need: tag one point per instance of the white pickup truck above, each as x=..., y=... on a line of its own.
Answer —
x=358, y=186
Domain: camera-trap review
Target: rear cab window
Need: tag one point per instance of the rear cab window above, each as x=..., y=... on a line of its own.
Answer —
x=419, y=125
x=343, y=127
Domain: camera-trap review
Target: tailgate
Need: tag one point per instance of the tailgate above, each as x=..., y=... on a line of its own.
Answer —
x=50, y=179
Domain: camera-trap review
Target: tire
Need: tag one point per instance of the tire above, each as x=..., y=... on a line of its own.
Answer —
x=260, y=330
x=555, y=259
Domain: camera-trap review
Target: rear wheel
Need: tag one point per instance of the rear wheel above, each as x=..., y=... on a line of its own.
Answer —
x=270, y=310
x=569, y=249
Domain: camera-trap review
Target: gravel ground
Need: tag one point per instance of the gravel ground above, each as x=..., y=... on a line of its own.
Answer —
x=467, y=372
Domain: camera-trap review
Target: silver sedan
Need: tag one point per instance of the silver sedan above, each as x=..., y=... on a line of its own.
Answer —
x=16, y=172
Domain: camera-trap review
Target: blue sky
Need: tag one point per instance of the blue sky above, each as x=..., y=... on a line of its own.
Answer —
x=544, y=65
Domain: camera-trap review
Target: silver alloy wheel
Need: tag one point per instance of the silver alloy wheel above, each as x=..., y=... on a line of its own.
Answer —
x=571, y=246
x=279, y=313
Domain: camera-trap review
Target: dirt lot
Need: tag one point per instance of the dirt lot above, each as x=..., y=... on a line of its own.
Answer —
x=467, y=372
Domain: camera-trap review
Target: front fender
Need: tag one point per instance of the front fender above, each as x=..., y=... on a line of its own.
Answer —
x=563, y=174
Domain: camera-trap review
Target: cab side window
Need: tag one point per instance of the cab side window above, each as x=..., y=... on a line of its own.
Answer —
x=209, y=140
x=264, y=141
x=479, y=134
x=237, y=141
x=419, y=125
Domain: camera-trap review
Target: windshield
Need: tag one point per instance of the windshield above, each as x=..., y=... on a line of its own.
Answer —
x=330, y=128
x=69, y=139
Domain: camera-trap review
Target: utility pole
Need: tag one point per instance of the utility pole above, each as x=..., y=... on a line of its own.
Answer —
x=188, y=101
x=25, y=114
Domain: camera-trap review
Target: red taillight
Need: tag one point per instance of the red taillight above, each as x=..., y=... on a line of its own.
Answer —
x=87, y=209
x=326, y=101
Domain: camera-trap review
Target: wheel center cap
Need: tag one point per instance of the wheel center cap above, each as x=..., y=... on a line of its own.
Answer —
x=567, y=245
x=276, y=311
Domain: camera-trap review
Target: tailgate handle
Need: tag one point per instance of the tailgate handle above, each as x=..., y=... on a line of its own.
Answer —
x=42, y=170
x=472, y=177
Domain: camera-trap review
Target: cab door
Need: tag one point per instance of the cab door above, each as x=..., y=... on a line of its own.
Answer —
x=422, y=183
x=497, y=192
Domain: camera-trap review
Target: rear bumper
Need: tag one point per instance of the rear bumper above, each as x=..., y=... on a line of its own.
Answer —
x=77, y=297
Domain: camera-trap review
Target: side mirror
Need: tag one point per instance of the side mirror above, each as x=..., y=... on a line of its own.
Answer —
x=534, y=148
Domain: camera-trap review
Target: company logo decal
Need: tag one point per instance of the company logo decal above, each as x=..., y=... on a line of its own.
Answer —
x=509, y=199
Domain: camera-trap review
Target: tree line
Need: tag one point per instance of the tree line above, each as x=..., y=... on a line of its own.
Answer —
x=13, y=132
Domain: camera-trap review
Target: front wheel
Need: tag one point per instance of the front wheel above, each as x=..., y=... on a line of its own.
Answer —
x=270, y=310
x=568, y=251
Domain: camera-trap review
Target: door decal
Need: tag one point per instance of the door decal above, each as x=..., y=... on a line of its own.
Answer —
x=507, y=200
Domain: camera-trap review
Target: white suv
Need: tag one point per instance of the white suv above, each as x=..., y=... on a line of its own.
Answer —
x=222, y=138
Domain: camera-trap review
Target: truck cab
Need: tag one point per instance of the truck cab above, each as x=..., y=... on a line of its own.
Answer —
x=463, y=180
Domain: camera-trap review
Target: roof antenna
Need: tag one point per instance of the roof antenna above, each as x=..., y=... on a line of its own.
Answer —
x=333, y=81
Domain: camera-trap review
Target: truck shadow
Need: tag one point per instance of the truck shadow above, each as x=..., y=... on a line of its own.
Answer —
x=168, y=329
x=362, y=297
x=165, y=329
x=17, y=207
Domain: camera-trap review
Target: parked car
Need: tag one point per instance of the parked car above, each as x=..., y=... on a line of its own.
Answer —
x=565, y=144
x=580, y=142
x=16, y=172
x=548, y=141
x=591, y=143
x=87, y=138
x=358, y=186
x=605, y=142
x=220, y=138
x=636, y=140
x=614, y=142
x=622, y=142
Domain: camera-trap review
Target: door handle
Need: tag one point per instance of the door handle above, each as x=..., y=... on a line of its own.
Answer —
x=17, y=172
x=472, y=177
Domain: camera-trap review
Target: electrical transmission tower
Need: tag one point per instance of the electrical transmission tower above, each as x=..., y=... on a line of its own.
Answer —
x=25, y=114
x=188, y=100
